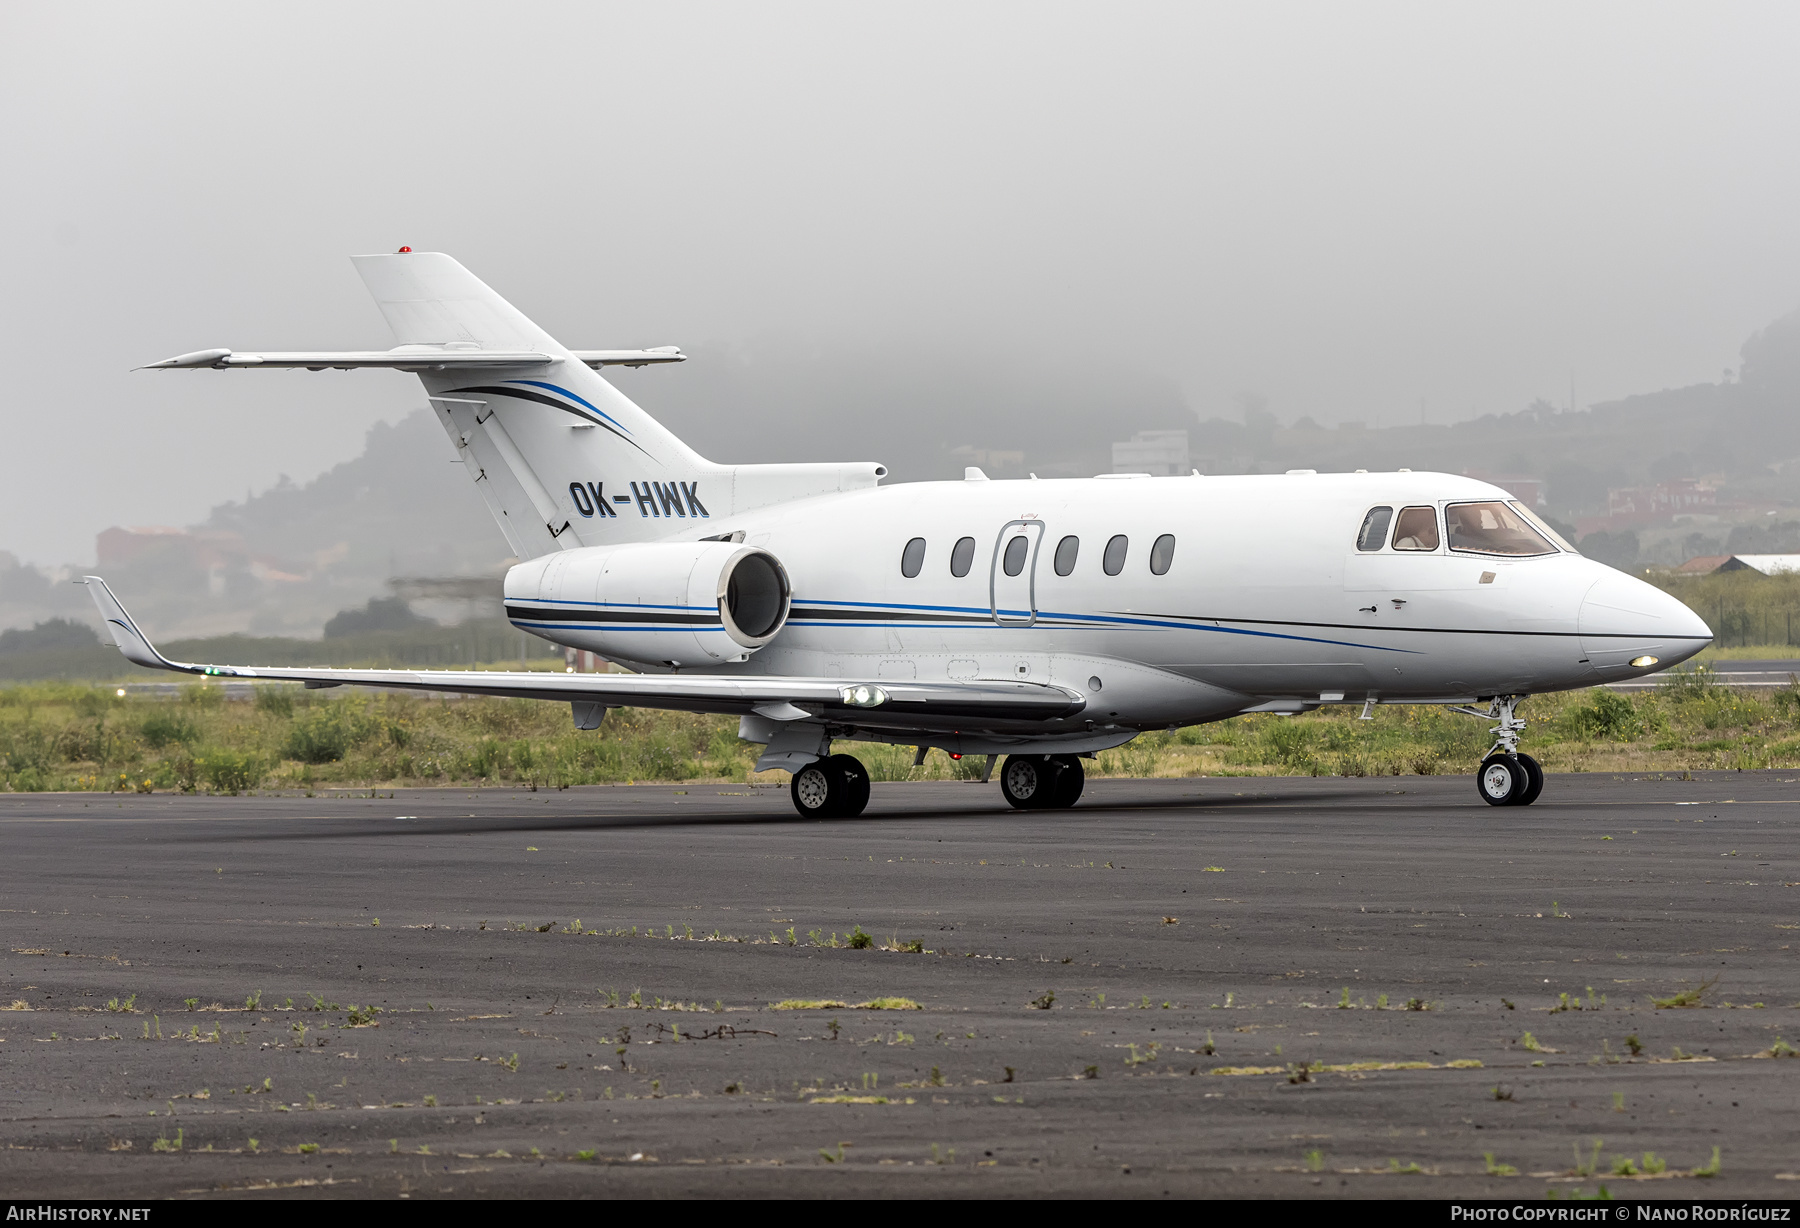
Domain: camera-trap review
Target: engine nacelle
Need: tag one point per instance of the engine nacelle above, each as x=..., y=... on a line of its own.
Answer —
x=667, y=603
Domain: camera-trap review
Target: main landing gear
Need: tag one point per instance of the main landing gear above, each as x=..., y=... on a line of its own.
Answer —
x=1508, y=776
x=835, y=787
x=1042, y=782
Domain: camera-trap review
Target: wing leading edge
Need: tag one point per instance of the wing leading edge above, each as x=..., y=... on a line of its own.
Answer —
x=884, y=704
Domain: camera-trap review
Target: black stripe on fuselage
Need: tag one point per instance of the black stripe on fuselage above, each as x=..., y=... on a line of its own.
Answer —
x=553, y=403
x=608, y=614
x=918, y=616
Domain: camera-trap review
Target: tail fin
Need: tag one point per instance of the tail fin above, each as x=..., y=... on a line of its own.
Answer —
x=562, y=457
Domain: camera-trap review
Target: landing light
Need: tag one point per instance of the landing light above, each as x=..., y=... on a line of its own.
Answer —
x=1642, y=662
x=863, y=696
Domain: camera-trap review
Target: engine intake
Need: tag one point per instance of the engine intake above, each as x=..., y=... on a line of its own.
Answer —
x=668, y=603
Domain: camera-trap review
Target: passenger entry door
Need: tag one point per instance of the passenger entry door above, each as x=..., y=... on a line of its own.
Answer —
x=1012, y=578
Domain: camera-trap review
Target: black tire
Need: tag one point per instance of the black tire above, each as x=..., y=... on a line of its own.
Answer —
x=1534, y=781
x=836, y=787
x=853, y=779
x=1028, y=782
x=1501, y=780
x=1070, y=777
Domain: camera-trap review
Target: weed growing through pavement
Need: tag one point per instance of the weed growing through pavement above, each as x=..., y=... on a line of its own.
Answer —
x=1687, y=997
x=1496, y=1169
x=1710, y=1168
x=1587, y=1167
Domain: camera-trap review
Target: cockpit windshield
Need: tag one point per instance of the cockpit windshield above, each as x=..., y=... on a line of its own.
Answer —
x=1492, y=528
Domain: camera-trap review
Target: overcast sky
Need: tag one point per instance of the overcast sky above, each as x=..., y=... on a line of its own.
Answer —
x=1347, y=208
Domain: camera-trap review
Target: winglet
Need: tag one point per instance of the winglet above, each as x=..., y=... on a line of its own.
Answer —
x=133, y=643
x=199, y=358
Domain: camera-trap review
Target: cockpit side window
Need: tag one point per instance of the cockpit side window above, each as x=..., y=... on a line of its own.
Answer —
x=1374, y=528
x=1492, y=528
x=1416, y=529
x=1537, y=522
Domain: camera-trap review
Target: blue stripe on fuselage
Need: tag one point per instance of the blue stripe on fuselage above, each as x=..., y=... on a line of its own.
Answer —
x=1090, y=619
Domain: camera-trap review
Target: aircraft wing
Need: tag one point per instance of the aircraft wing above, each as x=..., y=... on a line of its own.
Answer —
x=409, y=358
x=886, y=703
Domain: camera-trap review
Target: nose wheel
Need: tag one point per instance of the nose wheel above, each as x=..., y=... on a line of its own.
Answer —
x=1510, y=780
x=1508, y=776
x=835, y=787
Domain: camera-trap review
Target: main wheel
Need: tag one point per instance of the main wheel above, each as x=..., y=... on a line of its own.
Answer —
x=1534, y=781
x=853, y=780
x=836, y=787
x=1069, y=779
x=1028, y=781
x=1502, y=780
x=812, y=791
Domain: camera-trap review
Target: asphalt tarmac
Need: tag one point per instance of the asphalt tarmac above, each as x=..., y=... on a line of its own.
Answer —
x=1213, y=987
x=1776, y=673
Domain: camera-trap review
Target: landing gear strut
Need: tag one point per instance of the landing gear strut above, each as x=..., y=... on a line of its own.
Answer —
x=1042, y=782
x=1508, y=776
x=835, y=787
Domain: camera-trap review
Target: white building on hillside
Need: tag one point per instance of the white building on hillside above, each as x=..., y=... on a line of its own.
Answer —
x=1162, y=453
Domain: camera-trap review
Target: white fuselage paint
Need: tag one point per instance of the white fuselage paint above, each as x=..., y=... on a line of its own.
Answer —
x=1268, y=603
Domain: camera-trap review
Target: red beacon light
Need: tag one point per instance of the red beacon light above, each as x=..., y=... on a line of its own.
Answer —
x=404, y=250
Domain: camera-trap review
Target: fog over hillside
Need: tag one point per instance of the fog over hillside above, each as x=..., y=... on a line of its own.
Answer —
x=283, y=561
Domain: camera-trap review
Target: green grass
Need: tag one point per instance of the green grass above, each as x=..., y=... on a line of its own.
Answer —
x=77, y=736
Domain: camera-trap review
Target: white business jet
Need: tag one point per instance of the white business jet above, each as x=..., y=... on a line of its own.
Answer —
x=1038, y=620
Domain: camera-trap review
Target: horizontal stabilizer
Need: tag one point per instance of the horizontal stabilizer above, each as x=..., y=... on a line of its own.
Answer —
x=408, y=358
x=630, y=358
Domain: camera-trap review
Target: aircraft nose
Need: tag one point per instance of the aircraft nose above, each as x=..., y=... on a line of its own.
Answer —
x=1623, y=620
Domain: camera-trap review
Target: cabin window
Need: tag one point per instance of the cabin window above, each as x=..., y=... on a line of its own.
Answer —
x=962, y=556
x=1374, y=528
x=912, y=558
x=1013, y=562
x=1492, y=528
x=1066, y=550
x=1113, y=561
x=1162, y=553
x=1416, y=529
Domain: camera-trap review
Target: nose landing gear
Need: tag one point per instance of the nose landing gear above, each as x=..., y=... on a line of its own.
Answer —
x=1507, y=777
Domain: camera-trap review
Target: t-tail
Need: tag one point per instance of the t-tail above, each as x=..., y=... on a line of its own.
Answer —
x=563, y=458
